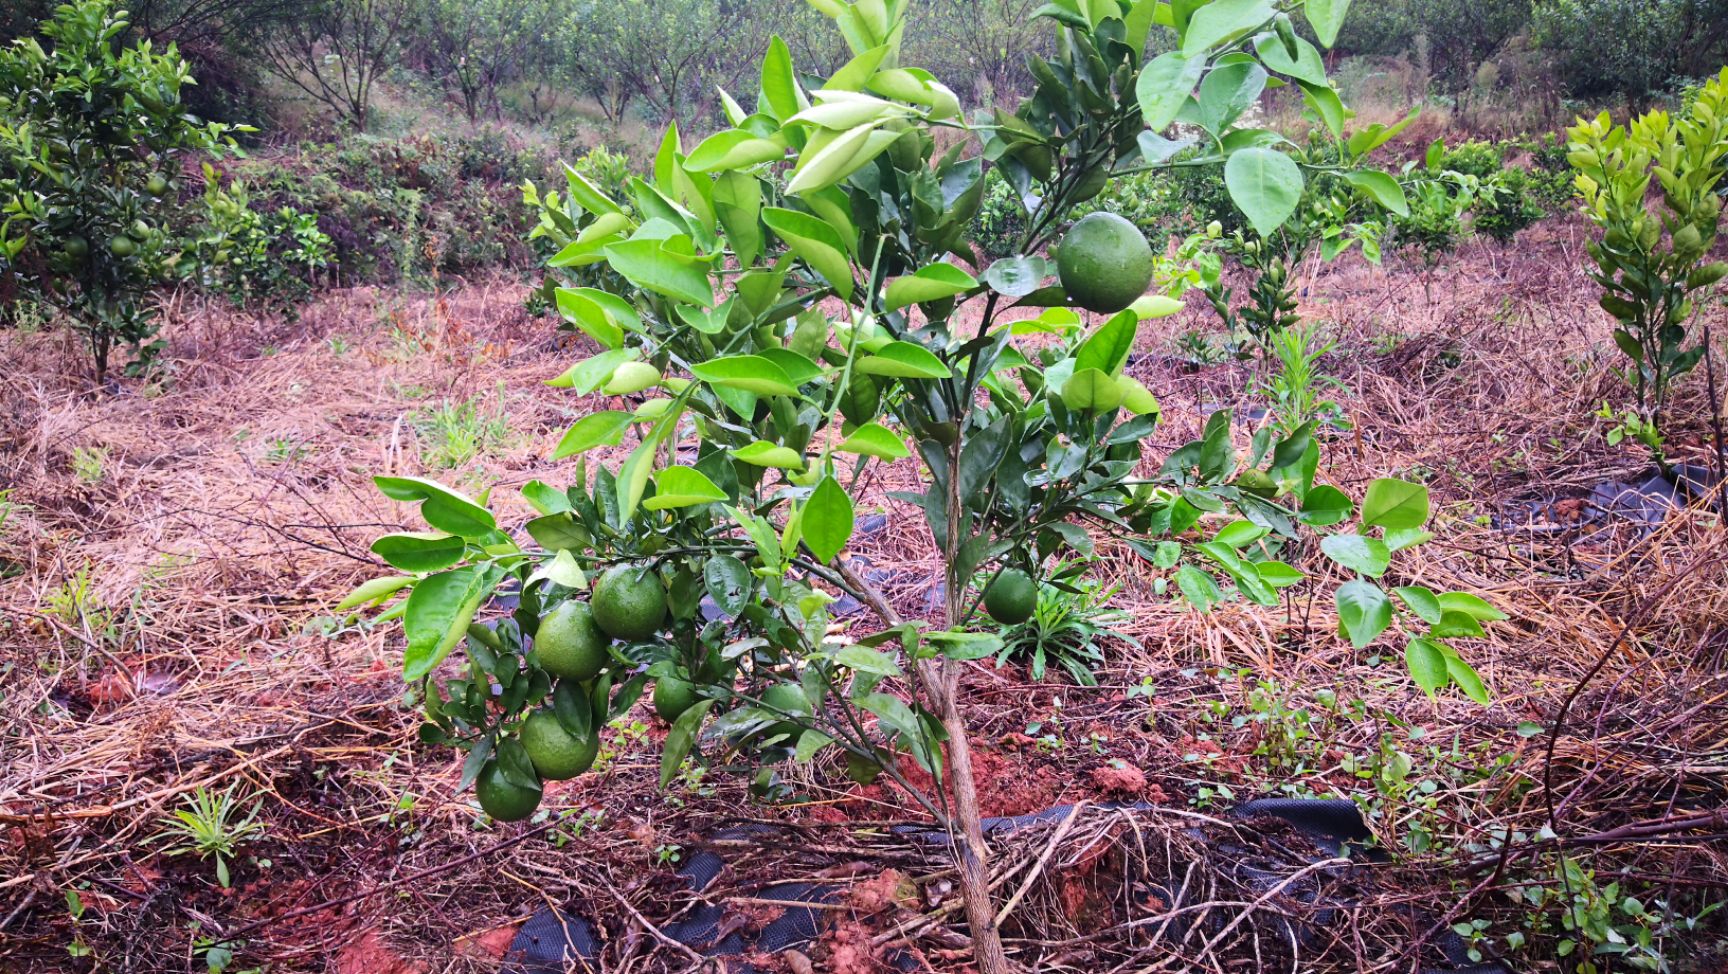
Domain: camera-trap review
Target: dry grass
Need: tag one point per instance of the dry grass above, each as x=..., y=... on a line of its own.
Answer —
x=170, y=553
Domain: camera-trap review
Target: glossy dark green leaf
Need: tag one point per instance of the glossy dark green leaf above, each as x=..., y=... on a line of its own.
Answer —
x=827, y=520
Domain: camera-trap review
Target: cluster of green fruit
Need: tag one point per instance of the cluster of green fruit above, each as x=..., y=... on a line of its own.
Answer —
x=573, y=644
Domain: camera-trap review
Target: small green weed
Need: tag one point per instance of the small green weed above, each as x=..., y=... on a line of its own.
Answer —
x=453, y=434
x=212, y=825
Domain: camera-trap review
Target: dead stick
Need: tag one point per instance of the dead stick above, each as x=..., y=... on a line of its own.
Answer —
x=1038, y=867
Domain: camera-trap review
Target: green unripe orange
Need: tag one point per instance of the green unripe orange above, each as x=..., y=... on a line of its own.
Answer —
x=673, y=696
x=157, y=185
x=556, y=753
x=569, y=644
x=1011, y=598
x=629, y=602
x=504, y=800
x=122, y=246
x=789, y=699
x=1104, y=263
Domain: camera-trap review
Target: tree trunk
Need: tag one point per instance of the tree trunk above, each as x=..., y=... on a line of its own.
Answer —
x=972, y=855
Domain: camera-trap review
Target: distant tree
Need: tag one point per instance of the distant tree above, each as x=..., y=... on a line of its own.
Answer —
x=665, y=52
x=985, y=41
x=335, y=50
x=1631, y=47
x=91, y=136
x=476, y=45
x=1458, y=37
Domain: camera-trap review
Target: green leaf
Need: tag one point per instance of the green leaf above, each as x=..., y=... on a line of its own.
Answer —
x=1364, y=611
x=1198, y=587
x=1241, y=534
x=591, y=373
x=1265, y=186
x=420, y=551
x=821, y=168
x=1393, y=503
x=1471, y=605
x=779, y=95
x=653, y=266
x=765, y=454
x=752, y=373
x=809, y=743
x=442, y=507
x=561, y=570
x=1091, y=390
x=728, y=582
x=1421, y=601
x=731, y=149
x=1016, y=277
x=437, y=615
x=1457, y=625
x=1427, y=665
x=578, y=309
x=1148, y=306
x=1327, y=16
x=816, y=244
x=798, y=369
x=931, y=283
x=1325, y=505
x=595, y=429
x=966, y=645
x=1228, y=91
x=1136, y=398
x=1397, y=539
x=682, y=487
x=827, y=523
x=1467, y=678
x=546, y=499
x=1223, y=21
x=1164, y=86
x=1327, y=105
x=1380, y=188
x=681, y=739
x=633, y=475
x=587, y=195
x=738, y=206
x=1305, y=66
x=1107, y=348
x=1277, y=574
x=874, y=440
x=575, y=712
x=374, y=591
x=867, y=660
x=1167, y=554
x=903, y=360
x=1367, y=556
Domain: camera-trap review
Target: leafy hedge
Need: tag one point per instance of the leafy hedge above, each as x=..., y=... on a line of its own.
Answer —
x=410, y=210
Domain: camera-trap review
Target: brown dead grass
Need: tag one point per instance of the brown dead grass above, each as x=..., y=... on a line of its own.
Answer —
x=233, y=507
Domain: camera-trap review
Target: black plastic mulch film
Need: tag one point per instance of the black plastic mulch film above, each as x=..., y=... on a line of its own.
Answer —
x=555, y=941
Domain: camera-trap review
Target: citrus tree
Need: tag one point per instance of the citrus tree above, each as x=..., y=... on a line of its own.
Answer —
x=1653, y=262
x=788, y=304
x=90, y=133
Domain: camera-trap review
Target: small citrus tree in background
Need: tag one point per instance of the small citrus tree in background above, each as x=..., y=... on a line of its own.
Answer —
x=90, y=135
x=1651, y=264
x=778, y=310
